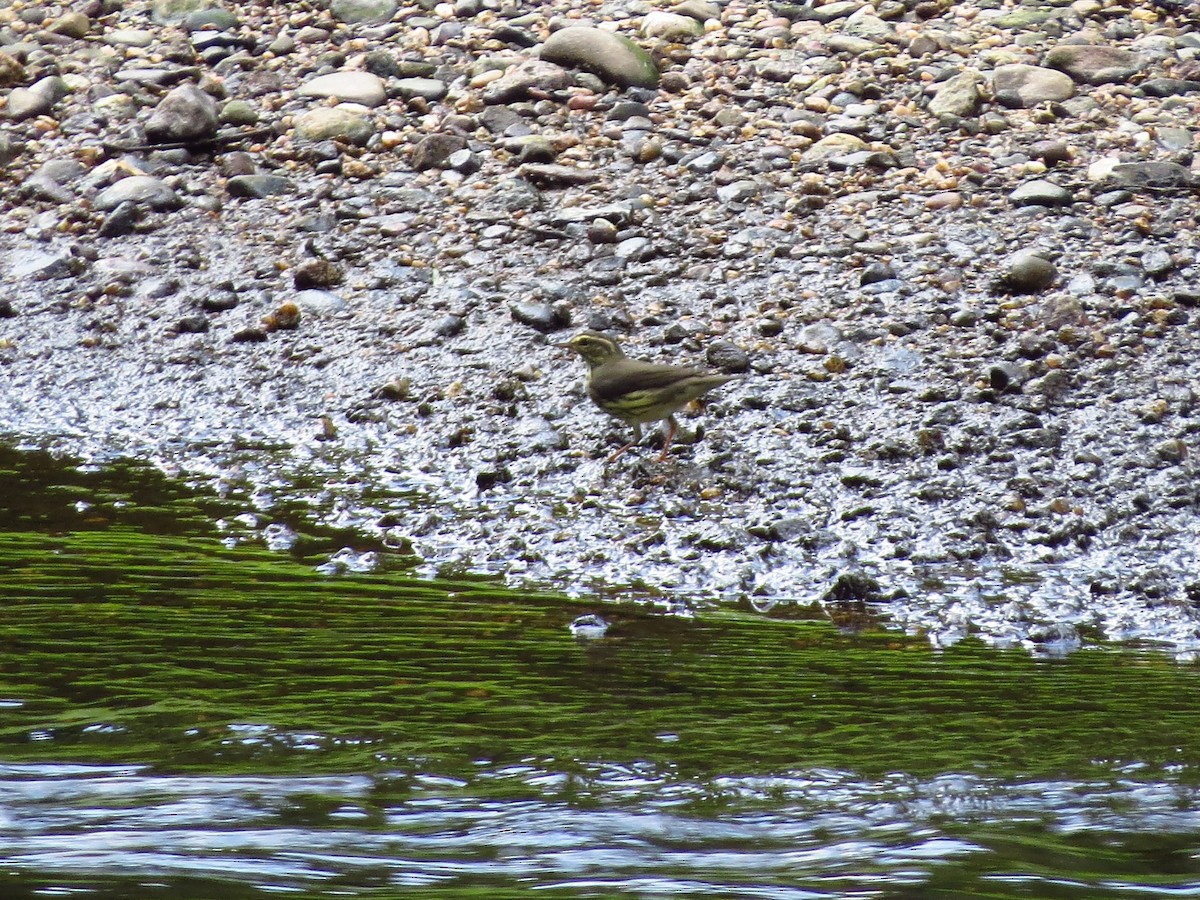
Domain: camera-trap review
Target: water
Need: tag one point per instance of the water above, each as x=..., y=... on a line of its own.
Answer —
x=187, y=713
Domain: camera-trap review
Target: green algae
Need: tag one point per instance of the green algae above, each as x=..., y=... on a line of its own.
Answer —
x=132, y=632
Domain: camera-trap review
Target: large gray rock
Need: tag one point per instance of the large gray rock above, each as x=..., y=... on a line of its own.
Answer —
x=613, y=57
x=350, y=87
x=185, y=114
x=1024, y=86
x=333, y=124
x=358, y=11
x=434, y=150
x=24, y=103
x=145, y=190
x=957, y=96
x=37, y=99
x=1095, y=64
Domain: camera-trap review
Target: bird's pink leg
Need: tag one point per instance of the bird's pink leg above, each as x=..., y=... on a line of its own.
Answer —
x=674, y=426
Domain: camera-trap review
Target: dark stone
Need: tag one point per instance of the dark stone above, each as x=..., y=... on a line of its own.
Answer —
x=1007, y=376
x=316, y=273
x=258, y=187
x=122, y=220
x=554, y=175
x=450, y=326
x=727, y=356
x=1051, y=152
x=251, y=334
x=220, y=301
x=497, y=119
x=876, y=272
x=1154, y=174
x=434, y=150
x=1169, y=87
x=543, y=317
x=510, y=34
x=192, y=325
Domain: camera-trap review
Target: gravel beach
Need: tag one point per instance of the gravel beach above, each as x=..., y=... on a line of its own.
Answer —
x=317, y=253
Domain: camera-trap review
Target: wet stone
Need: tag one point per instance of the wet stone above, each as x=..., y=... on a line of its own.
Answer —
x=356, y=12
x=449, y=326
x=333, y=123
x=121, y=220
x=185, y=114
x=426, y=88
x=141, y=189
x=1157, y=263
x=877, y=272
x=543, y=317
x=434, y=151
x=1095, y=64
x=1051, y=152
x=613, y=57
x=192, y=325
x=1027, y=271
x=1041, y=193
x=510, y=34
x=1154, y=174
x=1021, y=85
x=257, y=187
x=350, y=87
x=727, y=357
x=1170, y=87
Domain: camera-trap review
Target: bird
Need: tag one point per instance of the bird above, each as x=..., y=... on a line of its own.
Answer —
x=636, y=391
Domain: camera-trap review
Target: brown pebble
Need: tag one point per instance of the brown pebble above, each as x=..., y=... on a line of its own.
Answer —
x=944, y=200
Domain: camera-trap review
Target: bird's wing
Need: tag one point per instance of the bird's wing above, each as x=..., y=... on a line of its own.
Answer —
x=608, y=385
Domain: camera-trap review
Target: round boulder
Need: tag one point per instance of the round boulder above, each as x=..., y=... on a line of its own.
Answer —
x=613, y=57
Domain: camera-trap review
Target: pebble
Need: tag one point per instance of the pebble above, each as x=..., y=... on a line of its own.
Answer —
x=1028, y=271
x=543, y=317
x=426, y=88
x=257, y=187
x=434, y=151
x=1040, y=192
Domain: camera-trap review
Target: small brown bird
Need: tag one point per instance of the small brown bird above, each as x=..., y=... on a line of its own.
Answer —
x=635, y=391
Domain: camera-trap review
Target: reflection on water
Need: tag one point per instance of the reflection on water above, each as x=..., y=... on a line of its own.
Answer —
x=187, y=715
x=629, y=829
